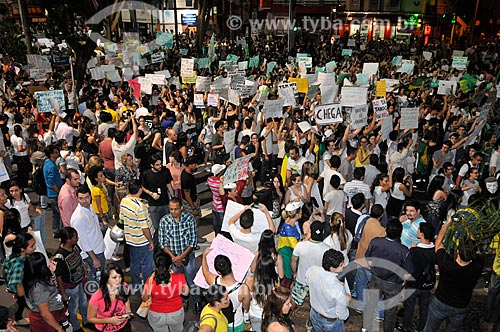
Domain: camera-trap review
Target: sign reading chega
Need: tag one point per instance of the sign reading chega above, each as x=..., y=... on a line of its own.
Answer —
x=326, y=114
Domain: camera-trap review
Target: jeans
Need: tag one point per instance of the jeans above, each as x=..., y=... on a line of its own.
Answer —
x=156, y=213
x=39, y=225
x=438, y=311
x=423, y=297
x=56, y=215
x=362, y=278
x=493, y=291
x=321, y=324
x=141, y=260
x=172, y=321
x=189, y=272
x=77, y=303
x=256, y=323
x=390, y=292
x=91, y=270
x=217, y=220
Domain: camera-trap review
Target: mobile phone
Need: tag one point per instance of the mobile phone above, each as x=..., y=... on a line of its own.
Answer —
x=256, y=205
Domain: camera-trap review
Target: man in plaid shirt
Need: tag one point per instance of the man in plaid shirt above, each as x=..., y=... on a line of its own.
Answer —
x=178, y=237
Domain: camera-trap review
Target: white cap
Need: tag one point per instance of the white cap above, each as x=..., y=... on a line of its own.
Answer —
x=328, y=133
x=230, y=185
x=293, y=206
x=217, y=168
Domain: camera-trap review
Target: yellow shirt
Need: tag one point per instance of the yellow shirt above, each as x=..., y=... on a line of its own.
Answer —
x=103, y=193
x=222, y=324
x=114, y=114
x=364, y=153
x=495, y=245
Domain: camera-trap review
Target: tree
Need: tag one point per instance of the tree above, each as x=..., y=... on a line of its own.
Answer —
x=204, y=9
x=12, y=40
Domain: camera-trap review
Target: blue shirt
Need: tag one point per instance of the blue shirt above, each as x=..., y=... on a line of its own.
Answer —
x=52, y=177
x=410, y=232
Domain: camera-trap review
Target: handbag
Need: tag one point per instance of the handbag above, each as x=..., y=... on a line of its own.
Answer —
x=143, y=309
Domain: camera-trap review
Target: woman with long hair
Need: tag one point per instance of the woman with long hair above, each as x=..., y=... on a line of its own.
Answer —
x=21, y=159
x=399, y=191
x=470, y=185
x=20, y=201
x=47, y=311
x=340, y=237
x=124, y=175
x=437, y=201
x=277, y=194
x=13, y=270
x=3, y=200
x=211, y=317
x=109, y=307
x=69, y=275
x=176, y=167
x=363, y=153
x=100, y=196
x=184, y=145
x=380, y=189
x=165, y=288
x=277, y=309
x=297, y=191
x=311, y=184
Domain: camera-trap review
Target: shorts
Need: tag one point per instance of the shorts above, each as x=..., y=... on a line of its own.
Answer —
x=299, y=292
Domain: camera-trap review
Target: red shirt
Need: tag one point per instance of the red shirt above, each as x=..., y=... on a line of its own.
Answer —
x=107, y=154
x=166, y=299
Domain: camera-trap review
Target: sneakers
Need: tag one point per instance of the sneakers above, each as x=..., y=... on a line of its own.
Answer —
x=201, y=239
x=379, y=319
x=116, y=258
x=23, y=322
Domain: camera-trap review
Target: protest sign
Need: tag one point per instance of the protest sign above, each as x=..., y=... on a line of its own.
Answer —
x=243, y=65
x=203, y=83
x=187, y=66
x=108, y=68
x=92, y=63
x=158, y=79
x=406, y=68
x=238, y=170
x=221, y=84
x=260, y=223
x=229, y=138
x=97, y=73
x=363, y=79
x=353, y=96
x=240, y=257
x=157, y=57
x=329, y=93
x=391, y=84
x=203, y=63
x=326, y=114
x=198, y=100
x=358, y=115
x=273, y=108
x=4, y=175
x=427, y=55
x=270, y=66
x=380, y=108
x=381, y=88
x=370, y=68
x=164, y=39
x=304, y=126
x=146, y=85
x=213, y=99
x=113, y=76
x=302, y=84
x=330, y=66
x=136, y=87
x=313, y=89
x=189, y=80
x=287, y=95
x=459, y=62
x=43, y=97
x=38, y=74
x=307, y=61
x=409, y=118
x=346, y=52
x=386, y=127
x=326, y=78
x=165, y=73
x=446, y=87
x=396, y=61
x=233, y=97
x=320, y=69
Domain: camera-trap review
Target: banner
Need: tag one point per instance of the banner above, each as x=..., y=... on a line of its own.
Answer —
x=43, y=97
x=273, y=108
x=329, y=93
x=380, y=108
x=326, y=114
x=353, y=96
x=409, y=118
x=459, y=62
x=229, y=138
x=187, y=66
x=203, y=83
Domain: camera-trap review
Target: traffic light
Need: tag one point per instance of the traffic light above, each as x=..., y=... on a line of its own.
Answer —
x=454, y=19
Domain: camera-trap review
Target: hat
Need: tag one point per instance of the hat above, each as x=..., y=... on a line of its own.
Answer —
x=217, y=168
x=317, y=230
x=328, y=133
x=293, y=206
x=230, y=185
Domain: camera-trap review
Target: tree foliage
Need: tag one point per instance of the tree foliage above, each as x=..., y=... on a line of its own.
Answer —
x=12, y=40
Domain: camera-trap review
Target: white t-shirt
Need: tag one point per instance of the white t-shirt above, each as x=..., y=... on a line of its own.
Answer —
x=23, y=208
x=335, y=200
x=332, y=241
x=327, y=175
x=295, y=166
x=16, y=141
x=495, y=160
x=121, y=149
x=310, y=254
x=249, y=241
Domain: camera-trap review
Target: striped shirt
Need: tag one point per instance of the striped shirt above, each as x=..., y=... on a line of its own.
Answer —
x=213, y=184
x=135, y=216
x=410, y=232
x=178, y=235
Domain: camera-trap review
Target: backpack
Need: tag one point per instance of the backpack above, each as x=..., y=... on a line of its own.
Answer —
x=359, y=230
x=427, y=279
x=194, y=325
x=39, y=185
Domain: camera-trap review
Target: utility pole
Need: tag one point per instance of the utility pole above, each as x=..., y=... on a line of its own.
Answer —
x=474, y=21
x=23, y=14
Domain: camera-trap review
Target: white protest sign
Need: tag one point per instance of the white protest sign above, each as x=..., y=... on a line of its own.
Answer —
x=326, y=78
x=233, y=97
x=127, y=73
x=213, y=99
x=158, y=79
x=38, y=74
x=351, y=42
x=326, y=114
x=203, y=83
x=427, y=55
x=238, y=170
x=97, y=73
x=187, y=67
x=391, y=84
x=457, y=53
x=287, y=95
x=386, y=127
x=304, y=126
x=146, y=85
x=92, y=63
x=243, y=65
x=370, y=68
x=273, y=108
x=329, y=93
x=459, y=62
x=353, y=96
x=358, y=116
x=307, y=61
x=157, y=57
x=165, y=73
x=380, y=108
x=240, y=257
x=229, y=137
x=409, y=118
x=43, y=97
x=446, y=87
x=113, y=76
x=108, y=68
x=198, y=100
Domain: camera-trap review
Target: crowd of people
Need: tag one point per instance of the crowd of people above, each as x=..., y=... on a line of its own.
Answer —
x=355, y=217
